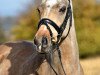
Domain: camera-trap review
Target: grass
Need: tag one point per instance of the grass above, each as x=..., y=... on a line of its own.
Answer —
x=91, y=66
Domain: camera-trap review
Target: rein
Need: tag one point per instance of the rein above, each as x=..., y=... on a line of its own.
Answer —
x=60, y=30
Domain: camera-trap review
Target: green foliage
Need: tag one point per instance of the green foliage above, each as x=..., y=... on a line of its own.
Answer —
x=87, y=20
x=27, y=26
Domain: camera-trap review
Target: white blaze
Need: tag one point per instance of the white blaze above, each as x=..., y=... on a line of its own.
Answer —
x=49, y=5
x=51, y=2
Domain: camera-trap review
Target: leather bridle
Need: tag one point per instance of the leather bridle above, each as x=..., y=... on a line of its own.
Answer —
x=60, y=30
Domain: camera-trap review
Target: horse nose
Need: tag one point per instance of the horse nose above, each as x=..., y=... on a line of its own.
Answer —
x=41, y=44
x=36, y=42
x=44, y=42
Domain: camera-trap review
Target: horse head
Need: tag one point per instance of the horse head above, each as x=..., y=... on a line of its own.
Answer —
x=54, y=15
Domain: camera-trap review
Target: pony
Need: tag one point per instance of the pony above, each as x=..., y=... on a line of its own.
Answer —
x=56, y=38
x=55, y=48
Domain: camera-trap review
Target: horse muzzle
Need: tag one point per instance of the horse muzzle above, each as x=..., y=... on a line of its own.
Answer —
x=42, y=44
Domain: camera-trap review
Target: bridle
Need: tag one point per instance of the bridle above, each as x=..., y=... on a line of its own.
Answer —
x=60, y=30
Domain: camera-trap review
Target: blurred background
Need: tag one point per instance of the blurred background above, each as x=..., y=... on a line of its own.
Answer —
x=19, y=18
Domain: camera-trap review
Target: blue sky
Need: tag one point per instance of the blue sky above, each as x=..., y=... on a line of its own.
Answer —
x=12, y=7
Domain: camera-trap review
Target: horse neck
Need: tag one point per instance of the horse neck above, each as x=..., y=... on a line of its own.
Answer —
x=69, y=47
x=69, y=52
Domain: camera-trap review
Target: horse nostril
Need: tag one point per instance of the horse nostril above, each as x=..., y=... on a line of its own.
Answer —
x=44, y=42
x=36, y=41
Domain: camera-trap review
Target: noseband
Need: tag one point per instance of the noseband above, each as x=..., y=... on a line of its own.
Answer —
x=60, y=30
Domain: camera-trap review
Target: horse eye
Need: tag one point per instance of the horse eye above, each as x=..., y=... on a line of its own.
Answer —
x=63, y=9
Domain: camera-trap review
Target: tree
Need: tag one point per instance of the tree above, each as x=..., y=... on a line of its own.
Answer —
x=27, y=21
x=26, y=26
x=87, y=20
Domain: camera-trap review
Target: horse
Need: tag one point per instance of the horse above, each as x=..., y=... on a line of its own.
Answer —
x=55, y=49
x=56, y=39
